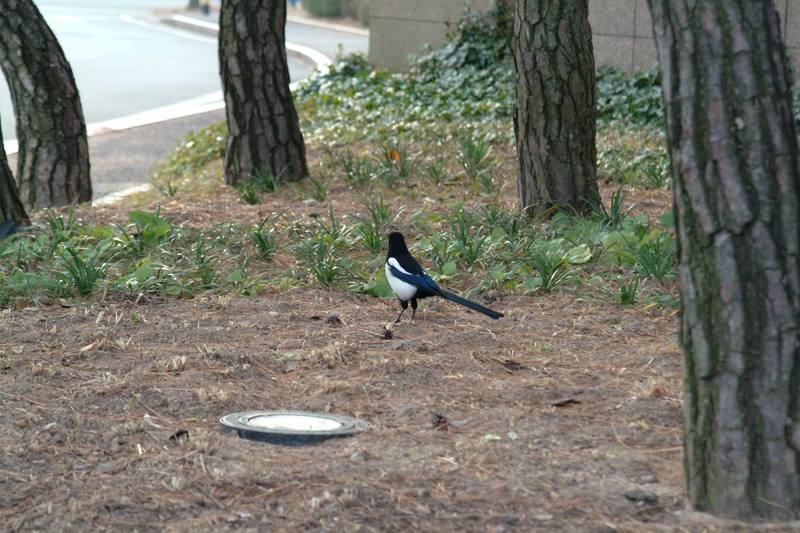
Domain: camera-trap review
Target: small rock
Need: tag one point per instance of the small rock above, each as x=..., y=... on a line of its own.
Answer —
x=400, y=345
x=106, y=468
x=358, y=457
x=639, y=495
x=646, y=479
x=309, y=201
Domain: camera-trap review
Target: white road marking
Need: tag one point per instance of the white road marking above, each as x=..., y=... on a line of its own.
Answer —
x=166, y=29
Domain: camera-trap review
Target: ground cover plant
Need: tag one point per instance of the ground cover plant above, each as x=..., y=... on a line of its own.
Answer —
x=129, y=330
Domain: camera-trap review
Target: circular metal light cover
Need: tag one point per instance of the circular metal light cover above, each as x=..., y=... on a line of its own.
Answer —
x=292, y=428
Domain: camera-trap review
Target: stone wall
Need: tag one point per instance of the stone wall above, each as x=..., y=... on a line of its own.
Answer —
x=621, y=29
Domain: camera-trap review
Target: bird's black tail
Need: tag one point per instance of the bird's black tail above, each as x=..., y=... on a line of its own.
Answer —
x=472, y=305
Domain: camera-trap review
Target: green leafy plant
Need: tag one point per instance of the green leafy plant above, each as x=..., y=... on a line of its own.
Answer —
x=615, y=216
x=263, y=238
x=440, y=250
x=203, y=268
x=371, y=229
x=436, y=172
x=150, y=231
x=655, y=256
x=80, y=273
x=265, y=180
x=468, y=245
x=248, y=191
x=473, y=156
x=630, y=98
x=169, y=188
x=318, y=189
x=359, y=170
x=552, y=264
x=628, y=290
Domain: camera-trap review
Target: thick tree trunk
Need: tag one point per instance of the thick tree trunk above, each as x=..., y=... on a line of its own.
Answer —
x=736, y=175
x=11, y=209
x=53, y=160
x=554, y=119
x=263, y=131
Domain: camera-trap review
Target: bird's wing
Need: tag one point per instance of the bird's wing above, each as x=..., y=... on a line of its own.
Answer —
x=409, y=264
x=422, y=281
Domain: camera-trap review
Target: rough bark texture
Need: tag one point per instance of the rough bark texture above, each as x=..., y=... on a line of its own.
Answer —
x=53, y=160
x=263, y=131
x=736, y=174
x=554, y=119
x=11, y=209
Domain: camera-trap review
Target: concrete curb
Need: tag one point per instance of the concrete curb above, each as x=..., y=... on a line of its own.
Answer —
x=313, y=58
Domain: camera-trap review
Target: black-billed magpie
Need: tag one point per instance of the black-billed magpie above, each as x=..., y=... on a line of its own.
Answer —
x=410, y=282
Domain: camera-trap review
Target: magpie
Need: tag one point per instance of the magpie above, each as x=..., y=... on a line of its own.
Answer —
x=410, y=282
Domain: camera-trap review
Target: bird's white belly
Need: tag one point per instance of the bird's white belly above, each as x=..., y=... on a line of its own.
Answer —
x=403, y=290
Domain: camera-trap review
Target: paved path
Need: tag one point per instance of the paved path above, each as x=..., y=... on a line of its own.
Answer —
x=127, y=158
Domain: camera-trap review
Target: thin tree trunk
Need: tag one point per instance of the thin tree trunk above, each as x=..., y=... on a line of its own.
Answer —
x=53, y=160
x=11, y=209
x=736, y=171
x=555, y=115
x=263, y=130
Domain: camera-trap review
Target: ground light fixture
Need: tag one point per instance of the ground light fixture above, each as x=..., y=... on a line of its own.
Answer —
x=291, y=428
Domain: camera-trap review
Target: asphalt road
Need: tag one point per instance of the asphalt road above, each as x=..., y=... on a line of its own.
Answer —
x=122, y=159
x=125, y=61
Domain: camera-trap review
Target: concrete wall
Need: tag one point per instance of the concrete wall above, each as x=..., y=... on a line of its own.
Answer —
x=621, y=29
x=399, y=28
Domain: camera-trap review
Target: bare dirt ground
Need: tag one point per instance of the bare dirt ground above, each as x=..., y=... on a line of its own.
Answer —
x=563, y=416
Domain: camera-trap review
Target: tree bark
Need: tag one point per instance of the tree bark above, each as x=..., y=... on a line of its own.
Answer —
x=53, y=160
x=736, y=172
x=554, y=119
x=11, y=209
x=263, y=130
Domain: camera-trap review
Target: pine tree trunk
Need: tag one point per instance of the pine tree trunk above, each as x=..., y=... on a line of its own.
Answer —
x=53, y=160
x=11, y=209
x=554, y=119
x=736, y=173
x=263, y=130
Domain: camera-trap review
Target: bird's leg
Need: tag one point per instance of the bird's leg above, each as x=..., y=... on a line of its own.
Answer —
x=413, y=308
x=404, y=306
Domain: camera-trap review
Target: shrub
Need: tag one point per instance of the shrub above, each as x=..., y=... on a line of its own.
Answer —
x=324, y=8
x=363, y=12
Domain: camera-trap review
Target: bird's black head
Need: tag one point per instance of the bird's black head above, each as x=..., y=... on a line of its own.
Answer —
x=397, y=244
